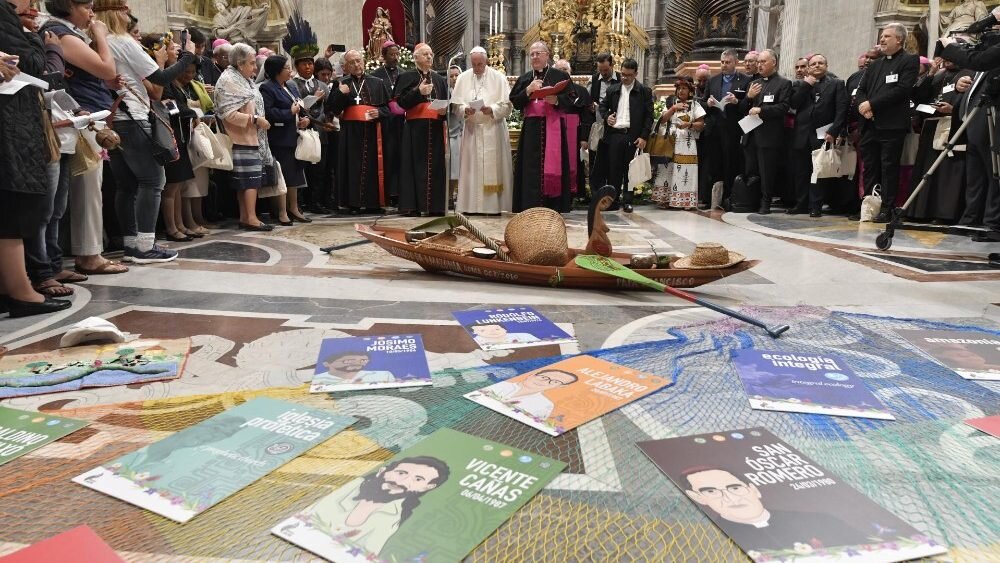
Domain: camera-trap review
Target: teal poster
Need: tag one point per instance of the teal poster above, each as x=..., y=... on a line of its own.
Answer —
x=24, y=431
x=196, y=468
x=433, y=502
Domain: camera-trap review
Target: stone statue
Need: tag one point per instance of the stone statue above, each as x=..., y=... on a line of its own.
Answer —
x=379, y=33
x=962, y=15
x=239, y=24
x=774, y=6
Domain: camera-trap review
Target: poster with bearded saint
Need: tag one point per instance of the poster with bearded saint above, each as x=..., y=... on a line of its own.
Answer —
x=433, y=502
x=779, y=505
x=374, y=362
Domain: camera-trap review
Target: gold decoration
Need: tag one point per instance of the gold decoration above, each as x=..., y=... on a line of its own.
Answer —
x=495, y=52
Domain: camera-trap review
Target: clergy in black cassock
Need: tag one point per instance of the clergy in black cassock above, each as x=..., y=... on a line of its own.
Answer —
x=423, y=179
x=363, y=99
x=392, y=126
x=583, y=120
x=542, y=172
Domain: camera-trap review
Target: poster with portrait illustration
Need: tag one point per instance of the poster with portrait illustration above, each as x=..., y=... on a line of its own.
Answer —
x=806, y=383
x=192, y=470
x=779, y=505
x=433, y=502
x=24, y=431
x=561, y=396
x=370, y=362
x=511, y=327
x=77, y=544
x=970, y=354
x=987, y=424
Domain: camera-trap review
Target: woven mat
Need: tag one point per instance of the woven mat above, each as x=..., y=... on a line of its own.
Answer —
x=611, y=504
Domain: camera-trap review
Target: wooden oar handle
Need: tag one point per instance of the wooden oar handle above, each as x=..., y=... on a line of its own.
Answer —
x=490, y=243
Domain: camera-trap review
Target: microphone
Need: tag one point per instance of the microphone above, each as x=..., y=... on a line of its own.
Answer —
x=983, y=24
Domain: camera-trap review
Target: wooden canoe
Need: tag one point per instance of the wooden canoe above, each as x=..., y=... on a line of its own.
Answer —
x=393, y=241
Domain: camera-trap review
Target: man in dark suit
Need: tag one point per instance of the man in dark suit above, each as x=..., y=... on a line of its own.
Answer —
x=883, y=102
x=820, y=101
x=629, y=110
x=725, y=88
x=599, y=84
x=767, y=98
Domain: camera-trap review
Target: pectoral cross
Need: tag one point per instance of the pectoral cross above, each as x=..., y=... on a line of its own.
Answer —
x=357, y=99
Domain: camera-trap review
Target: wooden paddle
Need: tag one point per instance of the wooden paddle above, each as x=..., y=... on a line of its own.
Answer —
x=612, y=268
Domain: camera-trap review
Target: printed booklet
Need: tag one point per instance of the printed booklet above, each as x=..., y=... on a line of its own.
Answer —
x=779, y=505
x=808, y=383
x=972, y=355
x=561, y=396
x=24, y=431
x=513, y=327
x=78, y=544
x=194, y=469
x=371, y=362
x=433, y=502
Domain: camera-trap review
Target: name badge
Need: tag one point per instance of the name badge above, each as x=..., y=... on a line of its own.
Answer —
x=855, y=92
x=769, y=98
x=948, y=89
x=891, y=78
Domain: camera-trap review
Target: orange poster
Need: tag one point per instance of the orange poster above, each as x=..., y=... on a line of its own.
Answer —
x=561, y=396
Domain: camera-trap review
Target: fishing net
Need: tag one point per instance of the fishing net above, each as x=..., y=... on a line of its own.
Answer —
x=611, y=503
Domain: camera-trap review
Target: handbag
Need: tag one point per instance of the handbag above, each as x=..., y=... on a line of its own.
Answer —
x=911, y=144
x=596, y=132
x=200, y=148
x=84, y=159
x=163, y=145
x=848, y=160
x=871, y=205
x=826, y=163
x=273, y=182
x=639, y=170
x=662, y=145
x=222, y=148
x=942, y=134
x=308, y=148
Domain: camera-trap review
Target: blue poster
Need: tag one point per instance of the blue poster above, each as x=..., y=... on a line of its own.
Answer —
x=807, y=383
x=512, y=327
x=371, y=362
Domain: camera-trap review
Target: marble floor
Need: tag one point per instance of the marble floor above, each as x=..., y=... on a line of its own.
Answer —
x=256, y=305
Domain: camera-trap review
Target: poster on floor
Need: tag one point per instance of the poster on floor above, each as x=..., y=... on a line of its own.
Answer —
x=511, y=327
x=433, y=502
x=970, y=354
x=78, y=544
x=105, y=365
x=561, y=396
x=988, y=424
x=370, y=362
x=807, y=383
x=194, y=469
x=25, y=431
x=777, y=504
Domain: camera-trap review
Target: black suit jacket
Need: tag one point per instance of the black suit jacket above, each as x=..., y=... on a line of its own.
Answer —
x=816, y=106
x=581, y=106
x=890, y=101
x=595, y=85
x=731, y=114
x=278, y=111
x=773, y=99
x=640, y=107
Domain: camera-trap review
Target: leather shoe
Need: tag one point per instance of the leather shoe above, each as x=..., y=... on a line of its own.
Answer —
x=994, y=259
x=883, y=217
x=815, y=214
x=764, y=210
x=263, y=227
x=19, y=309
x=795, y=211
x=298, y=219
x=627, y=207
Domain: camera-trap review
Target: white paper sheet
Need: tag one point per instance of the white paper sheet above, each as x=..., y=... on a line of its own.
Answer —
x=925, y=108
x=81, y=121
x=309, y=101
x=750, y=122
x=719, y=103
x=439, y=104
x=821, y=131
x=477, y=104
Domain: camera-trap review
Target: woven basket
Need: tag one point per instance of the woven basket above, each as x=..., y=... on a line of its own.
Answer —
x=537, y=236
x=455, y=241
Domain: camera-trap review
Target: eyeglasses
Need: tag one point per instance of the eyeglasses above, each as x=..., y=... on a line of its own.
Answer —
x=736, y=489
x=548, y=379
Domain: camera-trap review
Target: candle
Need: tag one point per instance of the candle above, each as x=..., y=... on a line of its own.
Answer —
x=490, y=30
x=501, y=17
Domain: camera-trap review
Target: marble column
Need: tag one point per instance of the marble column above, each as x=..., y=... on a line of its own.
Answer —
x=840, y=29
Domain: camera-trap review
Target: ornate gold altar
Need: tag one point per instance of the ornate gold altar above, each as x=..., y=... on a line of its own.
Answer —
x=578, y=30
x=259, y=22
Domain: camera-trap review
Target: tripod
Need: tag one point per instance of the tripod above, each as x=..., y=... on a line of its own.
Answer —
x=987, y=102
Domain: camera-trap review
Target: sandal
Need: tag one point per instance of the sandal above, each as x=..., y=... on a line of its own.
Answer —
x=52, y=288
x=67, y=276
x=107, y=268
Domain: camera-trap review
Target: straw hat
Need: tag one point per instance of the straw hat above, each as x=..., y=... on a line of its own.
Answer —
x=537, y=236
x=709, y=256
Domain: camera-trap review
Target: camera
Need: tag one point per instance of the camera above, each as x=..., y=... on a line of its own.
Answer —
x=984, y=41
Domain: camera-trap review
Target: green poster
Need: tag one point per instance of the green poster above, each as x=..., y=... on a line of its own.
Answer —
x=435, y=501
x=190, y=471
x=24, y=431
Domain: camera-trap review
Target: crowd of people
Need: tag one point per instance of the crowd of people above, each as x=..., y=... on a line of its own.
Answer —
x=110, y=141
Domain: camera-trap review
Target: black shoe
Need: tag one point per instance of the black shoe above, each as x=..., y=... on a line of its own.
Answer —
x=815, y=213
x=883, y=217
x=764, y=210
x=412, y=213
x=627, y=207
x=319, y=209
x=795, y=211
x=263, y=227
x=178, y=238
x=287, y=223
x=19, y=309
x=989, y=236
x=298, y=219
x=854, y=217
x=994, y=259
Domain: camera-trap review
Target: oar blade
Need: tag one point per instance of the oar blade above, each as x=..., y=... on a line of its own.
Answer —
x=611, y=267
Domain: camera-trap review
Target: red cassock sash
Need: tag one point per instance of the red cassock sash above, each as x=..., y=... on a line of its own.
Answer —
x=552, y=169
x=357, y=113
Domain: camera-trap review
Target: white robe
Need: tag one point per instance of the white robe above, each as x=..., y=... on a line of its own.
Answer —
x=486, y=178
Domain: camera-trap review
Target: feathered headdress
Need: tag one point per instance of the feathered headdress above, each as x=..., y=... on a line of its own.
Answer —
x=301, y=41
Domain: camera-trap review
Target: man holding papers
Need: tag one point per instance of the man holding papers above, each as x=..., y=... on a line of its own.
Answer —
x=423, y=178
x=723, y=90
x=765, y=107
x=485, y=182
x=821, y=103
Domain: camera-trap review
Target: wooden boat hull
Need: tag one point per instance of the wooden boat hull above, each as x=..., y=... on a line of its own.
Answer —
x=393, y=241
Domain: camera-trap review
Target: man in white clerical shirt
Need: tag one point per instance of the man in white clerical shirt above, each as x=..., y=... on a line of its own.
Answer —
x=481, y=97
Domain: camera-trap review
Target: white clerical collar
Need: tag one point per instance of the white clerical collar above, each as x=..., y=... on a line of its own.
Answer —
x=763, y=522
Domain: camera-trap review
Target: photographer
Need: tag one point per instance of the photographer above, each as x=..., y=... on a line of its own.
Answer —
x=982, y=189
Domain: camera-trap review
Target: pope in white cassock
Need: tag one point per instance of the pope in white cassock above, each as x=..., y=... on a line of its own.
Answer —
x=482, y=97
